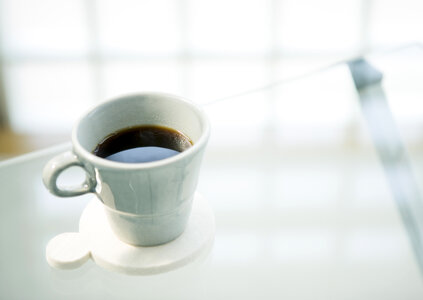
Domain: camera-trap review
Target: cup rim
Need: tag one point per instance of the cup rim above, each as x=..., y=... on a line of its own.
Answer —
x=98, y=161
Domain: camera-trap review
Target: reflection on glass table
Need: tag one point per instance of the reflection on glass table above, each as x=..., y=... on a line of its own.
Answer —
x=303, y=206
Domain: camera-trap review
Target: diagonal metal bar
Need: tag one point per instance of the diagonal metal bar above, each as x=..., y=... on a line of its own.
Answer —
x=392, y=153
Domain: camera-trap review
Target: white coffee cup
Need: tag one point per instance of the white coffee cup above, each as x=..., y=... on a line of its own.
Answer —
x=148, y=203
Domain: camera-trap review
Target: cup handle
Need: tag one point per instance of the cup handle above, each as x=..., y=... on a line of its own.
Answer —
x=56, y=166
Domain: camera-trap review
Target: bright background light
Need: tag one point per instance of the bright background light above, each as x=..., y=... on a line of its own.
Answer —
x=60, y=57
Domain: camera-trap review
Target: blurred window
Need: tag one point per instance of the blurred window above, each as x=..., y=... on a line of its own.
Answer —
x=60, y=57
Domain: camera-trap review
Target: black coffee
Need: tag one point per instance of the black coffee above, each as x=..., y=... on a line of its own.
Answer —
x=142, y=144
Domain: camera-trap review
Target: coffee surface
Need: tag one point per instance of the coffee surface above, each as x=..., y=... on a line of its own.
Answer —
x=144, y=143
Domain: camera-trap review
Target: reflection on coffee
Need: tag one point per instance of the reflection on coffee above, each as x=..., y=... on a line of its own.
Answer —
x=144, y=143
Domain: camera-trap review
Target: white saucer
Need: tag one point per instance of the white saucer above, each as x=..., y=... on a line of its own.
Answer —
x=96, y=240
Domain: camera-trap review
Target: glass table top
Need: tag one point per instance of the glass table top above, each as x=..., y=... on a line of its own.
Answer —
x=314, y=180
